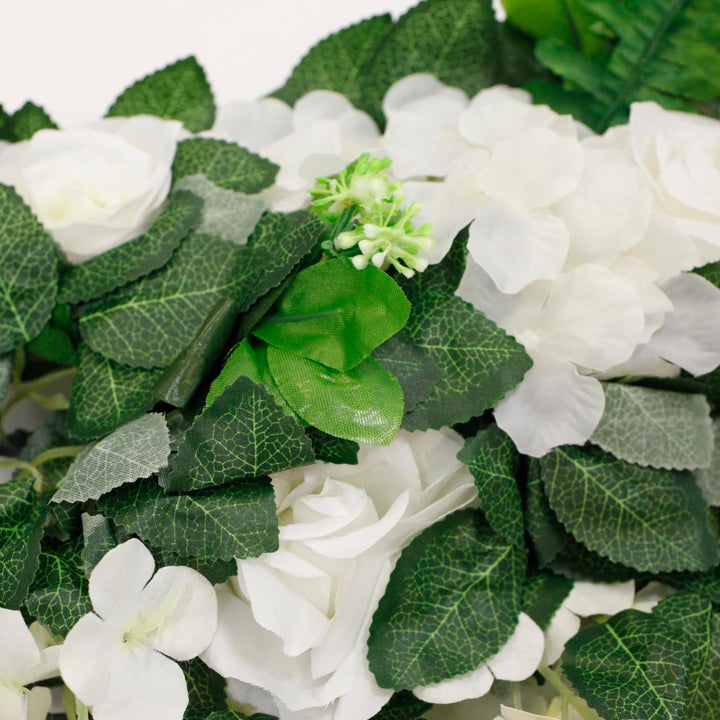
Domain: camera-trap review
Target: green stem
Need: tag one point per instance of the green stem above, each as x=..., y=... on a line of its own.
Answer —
x=81, y=711
x=565, y=708
x=28, y=389
x=566, y=693
x=343, y=221
x=63, y=451
x=14, y=462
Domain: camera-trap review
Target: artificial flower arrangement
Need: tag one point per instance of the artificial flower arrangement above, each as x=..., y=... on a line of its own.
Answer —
x=393, y=394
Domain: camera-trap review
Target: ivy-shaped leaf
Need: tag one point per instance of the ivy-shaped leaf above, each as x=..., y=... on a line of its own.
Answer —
x=452, y=601
x=654, y=427
x=493, y=461
x=237, y=520
x=654, y=520
x=177, y=92
x=480, y=363
x=28, y=272
x=135, y=450
x=244, y=434
x=121, y=265
x=224, y=163
x=338, y=62
x=106, y=394
x=26, y=121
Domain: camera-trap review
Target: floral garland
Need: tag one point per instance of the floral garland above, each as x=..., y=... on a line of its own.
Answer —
x=391, y=395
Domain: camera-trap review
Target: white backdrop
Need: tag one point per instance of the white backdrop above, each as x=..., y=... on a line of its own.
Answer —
x=74, y=57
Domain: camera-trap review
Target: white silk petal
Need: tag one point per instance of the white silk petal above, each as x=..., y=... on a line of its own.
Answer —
x=320, y=105
x=425, y=94
x=521, y=655
x=252, y=124
x=653, y=593
x=690, y=336
x=13, y=705
x=588, y=598
x=474, y=684
x=39, y=700
x=509, y=713
x=118, y=579
x=19, y=653
x=562, y=627
x=553, y=405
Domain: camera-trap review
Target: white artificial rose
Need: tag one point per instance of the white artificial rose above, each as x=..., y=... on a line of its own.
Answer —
x=319, y=136
x=98, y=186
x=295, y=622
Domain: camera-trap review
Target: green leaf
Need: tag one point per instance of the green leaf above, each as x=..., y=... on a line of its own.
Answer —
x=237, y=520
x=633, y=666
x=654, y=427
x=364, y=404
x=206, y=688
x=121, y=265
x=5, y=129
x=242, y=435
x=493, y=461
x=224, y=163
x=26, y=121
x=225, y=214
x=52, y=433
x=667, y=51
x=329, y=449
x=452, y=601
x=98, y=539
x=6, y=368
x=709, y=478
x=454, y=40
x=544, y=594
x=655, y=520
x=413, y=367
x=106, y=394
x=402, y=706
x=53, y=344
x=177, y=92
x=28, y=272
x=59, y=595
x=339, y=62
x=336, y=315
x=480, y=363
x=135, y=450
x=22, y=514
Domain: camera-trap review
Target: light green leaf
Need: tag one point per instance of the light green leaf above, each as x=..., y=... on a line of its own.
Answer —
x=493, y=461
x=654, y=427
x=177, y=92
x=364, y=404
x=338, y=63
x=480, y=363
x=225, y=214
x=135, y=450
x=225, y=164
x=633, y=666
x=98, y=539
x=121, y=265
x=59, y=595
x=22, y=514
x=244, y=434
x=234, y=520
x=106, y=394
x=543, y=596
x=28, y=272
x=336, y=315
x=6, y=368
x=26, y=121
x=667, y=51
x=455, y=40
x=445, y=613
x=709, y=478
x=654, y=520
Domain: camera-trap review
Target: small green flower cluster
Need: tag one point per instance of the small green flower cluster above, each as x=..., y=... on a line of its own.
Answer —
x=383, y=232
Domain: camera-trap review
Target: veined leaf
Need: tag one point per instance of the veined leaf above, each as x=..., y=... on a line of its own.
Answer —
x=177, y=92
x=544, y=594
x=709, y=479
x=28, y=272
x=444, y=613
x=667, y=51
x=402, y=706
x=98, y=539
x=26, y=121
x=331, y=449
x=6, y=367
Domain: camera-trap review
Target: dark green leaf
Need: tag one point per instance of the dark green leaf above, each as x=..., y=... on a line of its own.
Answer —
x=234, y=520
x=126, y=263
x=336, y=315
x=6, y=368
x=28, y=272
x=242, y=435
x=402, y=706
x=64, y=519
x=493, y=461
x=330, y=449
x=544, y=594
x=106, y=394
x=206, y=689
x=337, y=63
x=480, y=363
x=655, y=520
x=53, y=344
x=26, y=121
x=177, y=92
x=633, y=666
x=226, y=164
x=452, y=601
x=364, y=404
x=22, y=513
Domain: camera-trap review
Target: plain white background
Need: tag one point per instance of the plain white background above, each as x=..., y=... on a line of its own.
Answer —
x=74, y=57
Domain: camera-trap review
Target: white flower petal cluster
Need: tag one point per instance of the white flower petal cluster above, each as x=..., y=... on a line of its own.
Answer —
x=119, y=660
x=317, y=137
x=295, y=622
x=24, y=660
x=578, y=244
x=98, y=186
